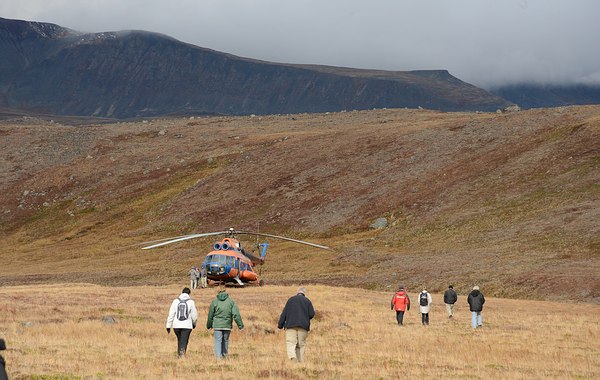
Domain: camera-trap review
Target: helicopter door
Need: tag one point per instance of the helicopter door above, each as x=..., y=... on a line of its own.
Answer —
x=237, y=264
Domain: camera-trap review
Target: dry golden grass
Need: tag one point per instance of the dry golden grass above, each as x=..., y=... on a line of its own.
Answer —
x=56, y=332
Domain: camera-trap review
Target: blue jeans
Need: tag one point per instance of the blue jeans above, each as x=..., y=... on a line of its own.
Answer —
x=222, y=343
x=476, y=320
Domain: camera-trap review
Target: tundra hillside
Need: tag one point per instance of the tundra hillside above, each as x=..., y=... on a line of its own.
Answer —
x=354, y=335
x=509, y=201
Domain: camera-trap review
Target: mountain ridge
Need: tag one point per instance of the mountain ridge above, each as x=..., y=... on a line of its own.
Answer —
x=138, y=74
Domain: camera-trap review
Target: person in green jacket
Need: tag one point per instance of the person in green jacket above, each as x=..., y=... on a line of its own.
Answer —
x=223, y=310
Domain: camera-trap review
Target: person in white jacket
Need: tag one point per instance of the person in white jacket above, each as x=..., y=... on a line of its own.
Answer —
x=425, y=306
x=183, y=316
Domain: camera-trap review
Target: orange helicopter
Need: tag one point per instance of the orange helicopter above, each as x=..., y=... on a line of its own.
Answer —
x=228, y=262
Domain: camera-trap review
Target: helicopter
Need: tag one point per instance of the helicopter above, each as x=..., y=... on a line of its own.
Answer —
x=228, y=262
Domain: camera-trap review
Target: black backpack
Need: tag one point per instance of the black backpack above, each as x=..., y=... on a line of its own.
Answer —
x=182, y=310
x=423, y=301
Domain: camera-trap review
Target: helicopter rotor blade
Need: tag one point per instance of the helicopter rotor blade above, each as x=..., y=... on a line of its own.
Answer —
x=284, y=238
x=183, y=238
x=231, y=232
x=148, y=242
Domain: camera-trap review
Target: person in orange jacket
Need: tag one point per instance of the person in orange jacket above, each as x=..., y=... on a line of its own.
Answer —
x=400, y=303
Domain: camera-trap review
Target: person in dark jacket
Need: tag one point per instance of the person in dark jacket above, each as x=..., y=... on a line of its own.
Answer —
x=3, y=374
x=295, y=318
x=450, y=299
x=476, y=301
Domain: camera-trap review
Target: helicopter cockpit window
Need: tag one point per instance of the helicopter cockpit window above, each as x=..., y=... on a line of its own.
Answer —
x=230, y=260
x=219, y=259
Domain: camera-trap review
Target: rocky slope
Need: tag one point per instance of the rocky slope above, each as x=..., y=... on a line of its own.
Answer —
x=508, y=201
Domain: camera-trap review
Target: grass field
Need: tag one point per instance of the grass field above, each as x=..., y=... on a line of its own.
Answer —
x=57, y=332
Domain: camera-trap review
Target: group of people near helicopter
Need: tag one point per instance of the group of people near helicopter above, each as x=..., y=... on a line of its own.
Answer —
x=198, y=276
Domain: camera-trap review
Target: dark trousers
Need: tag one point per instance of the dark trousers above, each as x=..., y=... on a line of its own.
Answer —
x=425, y=318
x=183, y=337
x=399, y=316
x=3, y=375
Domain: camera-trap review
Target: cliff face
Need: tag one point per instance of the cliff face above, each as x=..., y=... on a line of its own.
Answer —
x=536, y=96
x=47, y=68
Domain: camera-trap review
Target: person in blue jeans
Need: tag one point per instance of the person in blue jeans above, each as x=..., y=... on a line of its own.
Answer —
x=222, y=312
x=476, y=301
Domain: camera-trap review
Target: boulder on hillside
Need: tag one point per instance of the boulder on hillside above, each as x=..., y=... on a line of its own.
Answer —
x=379, y=223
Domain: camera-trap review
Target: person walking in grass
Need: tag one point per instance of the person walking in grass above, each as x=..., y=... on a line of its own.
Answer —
x=222, y=312
x=476, y=301
x=197, y=273
x=450, y=299
x=193, y=278
x=203, y=279
x=182, y=318
x=3, y=374
x=400, y=303
x=295, y=318
x=425, y=306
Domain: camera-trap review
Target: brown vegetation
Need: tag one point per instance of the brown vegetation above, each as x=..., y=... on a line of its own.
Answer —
x=509, y=201
x=57, y=332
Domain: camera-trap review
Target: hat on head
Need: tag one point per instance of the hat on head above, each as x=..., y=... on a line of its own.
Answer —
x=186, y=290
x=302, y=290
x=476, y=287
x=450, y=286
x=400, y=287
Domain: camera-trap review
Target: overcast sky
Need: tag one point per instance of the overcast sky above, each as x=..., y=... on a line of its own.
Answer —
x=484, y=42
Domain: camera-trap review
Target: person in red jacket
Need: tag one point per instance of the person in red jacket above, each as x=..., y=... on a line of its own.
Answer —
x=400, y=303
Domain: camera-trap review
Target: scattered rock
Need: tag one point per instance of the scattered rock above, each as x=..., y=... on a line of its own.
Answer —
x=379, y=223
x=109, y=320
x=26, y=324
x=513, y=108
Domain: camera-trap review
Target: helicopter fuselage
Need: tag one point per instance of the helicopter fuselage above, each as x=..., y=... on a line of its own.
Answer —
x=227, y=263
